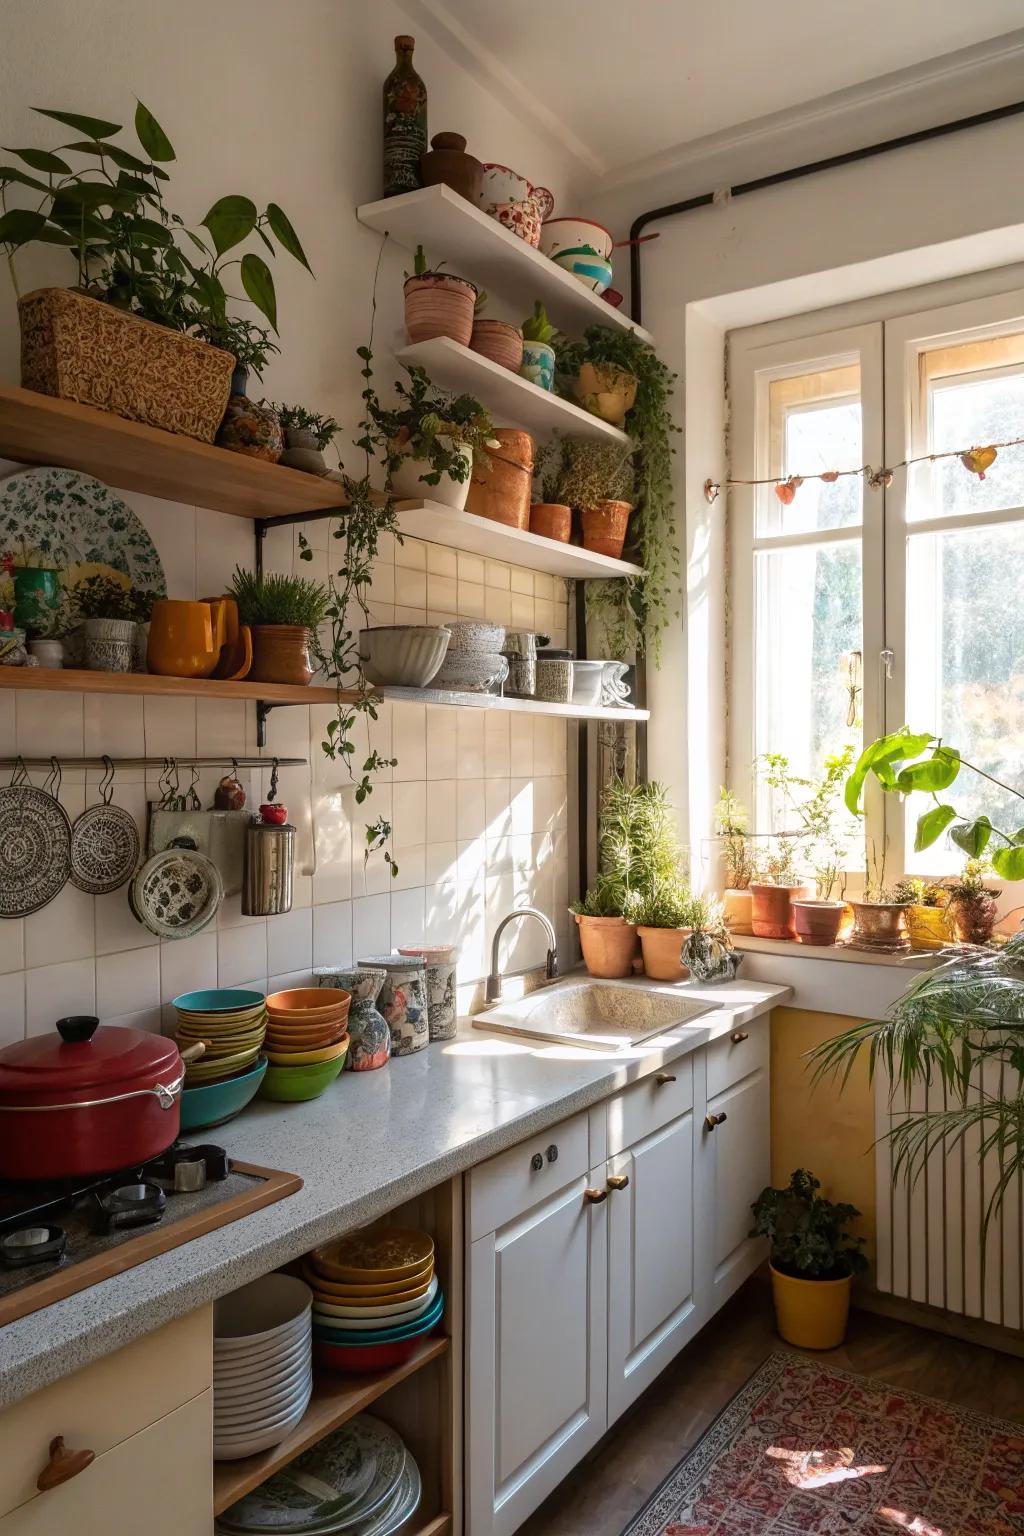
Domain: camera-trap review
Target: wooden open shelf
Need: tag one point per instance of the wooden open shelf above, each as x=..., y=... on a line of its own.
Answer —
x=42, y=680
x=335, y=1400
x=437, y=524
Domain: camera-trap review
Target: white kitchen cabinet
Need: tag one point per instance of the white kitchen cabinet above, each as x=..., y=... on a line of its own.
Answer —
x=735, y=1162
x=537, y=1392
x=651, y=1302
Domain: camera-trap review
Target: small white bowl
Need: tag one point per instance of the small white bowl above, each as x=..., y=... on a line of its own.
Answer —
x=402, y=655
x=259, y=1313
x=232, y=1418
x=234, y=1447
x=232, y=1390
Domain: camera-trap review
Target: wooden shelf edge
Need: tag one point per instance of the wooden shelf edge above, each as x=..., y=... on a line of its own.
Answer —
x=439, y=1525
x=455, y=528
x=42, y=680
x=335, y=1400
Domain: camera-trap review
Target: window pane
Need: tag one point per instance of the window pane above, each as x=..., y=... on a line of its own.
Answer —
x=814, y=426
x=975, y=412
x=965, y=668
x=808, y=621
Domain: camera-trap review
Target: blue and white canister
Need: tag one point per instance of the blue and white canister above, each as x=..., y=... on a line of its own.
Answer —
x=403, y=1001
x=442, y=1012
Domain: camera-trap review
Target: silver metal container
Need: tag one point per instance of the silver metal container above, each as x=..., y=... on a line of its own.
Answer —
x=267, y=874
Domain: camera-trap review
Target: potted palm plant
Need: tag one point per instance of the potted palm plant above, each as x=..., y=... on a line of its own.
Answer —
x=283, y=613
x=814, y=1258
x=434, y=440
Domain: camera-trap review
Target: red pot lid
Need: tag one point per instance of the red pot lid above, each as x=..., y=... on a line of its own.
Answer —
x=80, y=1053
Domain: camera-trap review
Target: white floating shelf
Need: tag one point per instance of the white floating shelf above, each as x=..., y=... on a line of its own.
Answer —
x=436, y=524
x=512, y=706
x=512, y=401
x=476, y=246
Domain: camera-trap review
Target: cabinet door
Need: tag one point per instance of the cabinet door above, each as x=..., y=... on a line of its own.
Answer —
x=536, y=1351
x=738, y=1150
x=651, y=1306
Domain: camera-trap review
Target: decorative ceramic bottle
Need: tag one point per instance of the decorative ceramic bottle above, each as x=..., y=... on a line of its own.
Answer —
x=405, y=122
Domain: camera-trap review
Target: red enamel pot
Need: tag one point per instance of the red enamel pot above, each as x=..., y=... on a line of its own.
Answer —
x=87, y=1100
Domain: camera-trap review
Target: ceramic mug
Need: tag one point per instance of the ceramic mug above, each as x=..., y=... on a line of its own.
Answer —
x=403, y=1001
x=185, y=638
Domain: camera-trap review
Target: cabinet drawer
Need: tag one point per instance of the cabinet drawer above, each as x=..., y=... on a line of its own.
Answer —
x=105, y=1403
x=159, y=1481
x=650, y=1104
x=737, y=1054
x=510, y=1184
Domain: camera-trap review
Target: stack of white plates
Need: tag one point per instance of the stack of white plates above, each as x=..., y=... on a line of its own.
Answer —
x=262, y=1365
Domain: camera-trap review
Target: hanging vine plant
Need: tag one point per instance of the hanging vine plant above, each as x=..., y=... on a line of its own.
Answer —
x=632, y=612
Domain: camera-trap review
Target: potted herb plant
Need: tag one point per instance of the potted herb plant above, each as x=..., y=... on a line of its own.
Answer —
x=815, y=806
x=306, y=435
x=927, y=919
x=438, y=303
x=741, y=861
x=665, y=918
x=771, y=913
x=283, y=613
x=433, y=439
x=600, y=380
x=109, y=613
x=596, y=479
x=549, y=517
x=971, y=904
x=249, y=344
x=539, y=337
x=814, y=1258
x=125, y=338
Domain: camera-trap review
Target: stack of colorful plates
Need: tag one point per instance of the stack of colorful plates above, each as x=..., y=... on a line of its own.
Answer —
x=374, y=1294
x=232, y=1022
x=360, y=1480
x=262, y=1365
x=307, y=1041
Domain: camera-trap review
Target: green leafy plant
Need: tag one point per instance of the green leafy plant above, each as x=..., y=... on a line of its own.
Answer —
x=778, y=863
x=632, y=612
x=971, y=903
x=249, y=344
x=131, y=251
x=422, y=268
x=294, y=417
x=276, y=599
x=432, y=425
x=816, y=805
x=538, y=328
x=99, y=597
x=809, y=1235
x=585, y=471
x=638, y=849
x=671, y=904
x=742, y=860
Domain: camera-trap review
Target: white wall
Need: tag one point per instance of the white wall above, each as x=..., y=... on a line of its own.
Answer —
x=283, y=103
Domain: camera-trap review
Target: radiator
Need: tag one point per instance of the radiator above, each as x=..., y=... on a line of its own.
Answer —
x=929, y=1227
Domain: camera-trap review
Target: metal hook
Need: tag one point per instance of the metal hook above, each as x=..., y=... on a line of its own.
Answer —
x=51, y=786
x=192, y=801
x=107, y=781
x=19, y=773
x=273, y=780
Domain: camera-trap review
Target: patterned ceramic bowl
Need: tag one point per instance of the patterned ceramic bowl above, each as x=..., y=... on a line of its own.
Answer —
x=402, y=655
x=475, y=639
x=468, y=673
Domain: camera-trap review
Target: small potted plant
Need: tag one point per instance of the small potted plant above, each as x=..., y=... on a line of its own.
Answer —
x=597, y=480
x=607, y=931
x=109, y=613
x=927, y=919
x=434, y=440
x=539, y=338
x=438, y=303
x=249, y=344
x=741, y=862
x=283, y=613
x=771, y=914
x=549, y=517
x=498, y=340
x=665, y=918
x=972, y=905
x=306, y=435
x=880, y=916
x=603, y=371
x=37, y=589
x=814, y=1258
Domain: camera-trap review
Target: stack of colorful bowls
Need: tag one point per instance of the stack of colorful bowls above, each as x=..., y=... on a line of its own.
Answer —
x=374, y=1294
x=232, y=1023
x=307, y=1041
x=262, y=1365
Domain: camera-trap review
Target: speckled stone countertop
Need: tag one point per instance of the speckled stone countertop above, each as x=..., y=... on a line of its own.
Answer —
x=372, y=1141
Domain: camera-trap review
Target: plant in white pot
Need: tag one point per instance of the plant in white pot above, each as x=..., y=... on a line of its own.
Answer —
x=433, y=439
x=109, y=613
x=306, y=436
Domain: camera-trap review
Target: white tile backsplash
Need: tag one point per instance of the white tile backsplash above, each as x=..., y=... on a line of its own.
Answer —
x=54, y=991
x=128, y=981
x=241, y=954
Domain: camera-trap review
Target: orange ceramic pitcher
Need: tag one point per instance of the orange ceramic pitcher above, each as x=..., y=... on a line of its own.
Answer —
x=185, y=638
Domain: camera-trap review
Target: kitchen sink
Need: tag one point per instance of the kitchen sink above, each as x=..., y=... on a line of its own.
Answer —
x=592, y=1013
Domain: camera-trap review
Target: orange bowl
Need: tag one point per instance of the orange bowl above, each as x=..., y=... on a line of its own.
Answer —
x=286, y=1052
x=308, y=1002
x=295, y=1024
x=324, y=1033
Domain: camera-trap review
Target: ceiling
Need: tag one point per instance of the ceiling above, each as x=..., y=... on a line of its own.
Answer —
x=620, y=82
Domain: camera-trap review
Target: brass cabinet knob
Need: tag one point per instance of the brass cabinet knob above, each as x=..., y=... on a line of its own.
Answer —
x=62, y=1465
x=710, y=1121
x=618, y=1181
x=595, y=1196
x=738, y=1036
x=661, y=1078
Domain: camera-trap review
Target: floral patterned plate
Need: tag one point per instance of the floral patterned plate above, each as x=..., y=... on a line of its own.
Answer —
x=35, y=849
x=79, y=524
x=105, y=847
x=176, y=893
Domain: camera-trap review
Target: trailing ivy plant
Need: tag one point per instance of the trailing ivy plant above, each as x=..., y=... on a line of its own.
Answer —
x=632, y=612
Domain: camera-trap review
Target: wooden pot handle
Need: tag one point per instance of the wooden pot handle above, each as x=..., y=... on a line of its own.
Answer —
x=193, y=1052
x=62, y=1465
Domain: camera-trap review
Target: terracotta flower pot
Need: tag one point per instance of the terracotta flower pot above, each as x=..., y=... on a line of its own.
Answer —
x=551, y=520
x=605, y=391
x=661, y=947
x=439, y=304
x=280, y=654
x=972, y=922
x=736, y=906
x=771, y=914
x=604, y=527
x=881, y=925
x=811, y=1314
x=817, y=922
x=500, y=488
x=500, y=341
x=608, y=944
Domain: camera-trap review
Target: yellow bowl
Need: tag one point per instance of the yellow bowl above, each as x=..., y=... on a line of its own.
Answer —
x=379, y=1255
x=217, y=1026
x=307, y=1058
x=220, y=1066
x=351, y=1296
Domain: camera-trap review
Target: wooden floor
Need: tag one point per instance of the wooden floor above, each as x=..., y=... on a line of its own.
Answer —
x=603, y=1494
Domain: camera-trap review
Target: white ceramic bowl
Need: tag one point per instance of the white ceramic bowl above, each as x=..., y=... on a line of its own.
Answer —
x=232, y=1389
x=232, y=1362
x=469, y=637
x=587, y=682
x=232, y=1418
x=468, y=673
x=567, y=234
x=260, y=1312
x=233, y=1447
x=594, y=272
x=402, y=655
x=330, y=1309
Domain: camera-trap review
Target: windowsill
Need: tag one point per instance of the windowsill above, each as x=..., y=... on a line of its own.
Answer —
x=920, y=961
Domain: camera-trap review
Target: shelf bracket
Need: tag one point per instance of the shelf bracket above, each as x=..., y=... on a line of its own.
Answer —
x=260, y=531
x=262, y=711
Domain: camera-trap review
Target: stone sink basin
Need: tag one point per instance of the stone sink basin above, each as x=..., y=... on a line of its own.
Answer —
x=594, y=1013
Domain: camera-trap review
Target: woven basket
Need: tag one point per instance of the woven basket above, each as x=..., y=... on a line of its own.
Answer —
x=76, y=348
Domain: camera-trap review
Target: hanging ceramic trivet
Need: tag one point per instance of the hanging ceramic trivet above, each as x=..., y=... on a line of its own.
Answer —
x=35, y=844
x=105, y=843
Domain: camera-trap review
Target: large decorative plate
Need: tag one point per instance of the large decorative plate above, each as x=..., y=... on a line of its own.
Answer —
x=105, y=847
x=343, y=1479
x=81, y=525
x=177, y=893
x=35, y=849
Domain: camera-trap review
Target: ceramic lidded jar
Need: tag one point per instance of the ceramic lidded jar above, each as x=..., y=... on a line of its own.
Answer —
x=447, y=162
x=403, y=1000
x=442, y=1012
x=368, y=1033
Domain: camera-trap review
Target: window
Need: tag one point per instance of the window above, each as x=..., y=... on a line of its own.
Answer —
x=855, y=610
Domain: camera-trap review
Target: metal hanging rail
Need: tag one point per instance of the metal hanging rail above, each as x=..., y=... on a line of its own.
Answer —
x=45, y=764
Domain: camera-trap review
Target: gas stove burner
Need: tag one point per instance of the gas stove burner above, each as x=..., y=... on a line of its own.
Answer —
x=186, y=1169
x=32, y=1245
x=129, y=1205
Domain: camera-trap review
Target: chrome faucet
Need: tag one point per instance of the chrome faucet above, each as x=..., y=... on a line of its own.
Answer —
x=494, y=980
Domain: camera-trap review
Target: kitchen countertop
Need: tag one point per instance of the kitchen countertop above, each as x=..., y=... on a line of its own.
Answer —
x=372, y=1141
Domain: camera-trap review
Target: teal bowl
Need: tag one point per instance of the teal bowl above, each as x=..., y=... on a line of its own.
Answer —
x=218, y=1000
x=295, y=1085
x=359, y=1338
x=216, y=1103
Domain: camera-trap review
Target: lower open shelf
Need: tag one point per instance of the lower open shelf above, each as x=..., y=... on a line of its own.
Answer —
x=335, y=1400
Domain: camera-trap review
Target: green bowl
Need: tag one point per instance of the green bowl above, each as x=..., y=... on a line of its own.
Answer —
x=292, y=1085
x=215, y=1103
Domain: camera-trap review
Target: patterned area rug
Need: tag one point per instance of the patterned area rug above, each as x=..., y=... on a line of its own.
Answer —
x=805, y=1448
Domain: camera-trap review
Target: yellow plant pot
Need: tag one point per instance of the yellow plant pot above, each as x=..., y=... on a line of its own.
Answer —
x=928, y=928
x=737, y=906
x=811, y=1314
